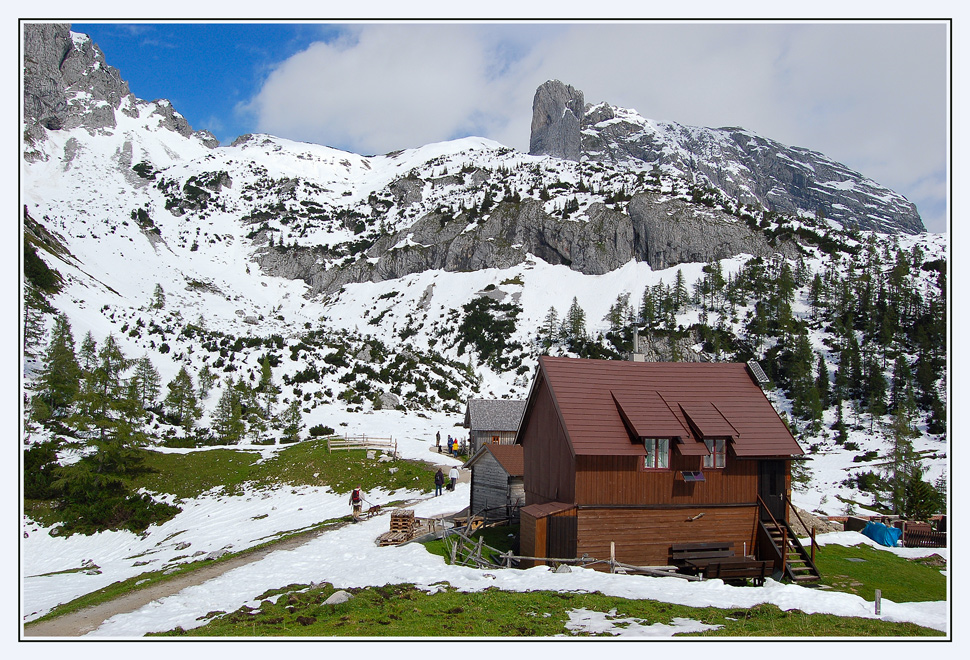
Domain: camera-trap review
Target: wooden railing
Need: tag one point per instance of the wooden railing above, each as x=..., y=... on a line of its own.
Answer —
x=388, y=445
x=811, y=530
x=784, y=535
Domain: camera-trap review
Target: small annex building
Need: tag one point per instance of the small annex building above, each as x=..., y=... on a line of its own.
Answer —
x=492, y=421
x=497, y=487
x=650, y=454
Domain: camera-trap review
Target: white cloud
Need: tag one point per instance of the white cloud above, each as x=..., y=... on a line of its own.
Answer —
x=869, y=95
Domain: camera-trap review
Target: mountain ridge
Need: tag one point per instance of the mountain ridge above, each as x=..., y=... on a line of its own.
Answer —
x=739, y=163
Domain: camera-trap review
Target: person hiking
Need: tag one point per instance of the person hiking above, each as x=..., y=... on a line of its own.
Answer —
x=454, y=447
x=356, y=500
x=439, y=481
x=453, y=475
x=437, y=441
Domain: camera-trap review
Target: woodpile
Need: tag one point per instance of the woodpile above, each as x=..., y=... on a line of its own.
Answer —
x=402, y=528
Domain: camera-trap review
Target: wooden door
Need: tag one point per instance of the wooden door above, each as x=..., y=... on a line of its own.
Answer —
x=771, y=488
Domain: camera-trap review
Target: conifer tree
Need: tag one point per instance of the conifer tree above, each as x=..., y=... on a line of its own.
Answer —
x=158, y=297
x=181, y=400
x=550, y=333
x=227, y=418
x=146, y=381
x=575, y=325
x=292, y=420
x=34, y=308
x=267, y=389
x=104, y=391
x=206, y=380
x=87, y=354
x=59, y=381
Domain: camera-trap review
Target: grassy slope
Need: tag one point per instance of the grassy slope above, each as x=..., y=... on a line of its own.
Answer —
x=404, y=611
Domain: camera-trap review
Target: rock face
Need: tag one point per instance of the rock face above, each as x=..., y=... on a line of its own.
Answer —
x=557, y=114
x=68, y=84
x=742, y=165
x=659, y=230
x=66, y=81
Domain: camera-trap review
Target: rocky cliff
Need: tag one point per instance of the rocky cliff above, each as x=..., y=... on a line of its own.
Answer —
x=740, y=164
x=557, y=112
x=659, y=230
x=68, y=84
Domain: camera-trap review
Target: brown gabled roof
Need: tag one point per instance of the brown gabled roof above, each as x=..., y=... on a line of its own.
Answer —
x=547, y=509
x=510, y=457
x=606, y=405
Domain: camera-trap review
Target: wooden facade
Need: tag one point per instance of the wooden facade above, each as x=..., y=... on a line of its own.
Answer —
x=492, y=421
x=497, y=485
x=601, y=479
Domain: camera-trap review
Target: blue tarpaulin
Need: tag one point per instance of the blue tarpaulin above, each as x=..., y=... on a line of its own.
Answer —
x=883, y=534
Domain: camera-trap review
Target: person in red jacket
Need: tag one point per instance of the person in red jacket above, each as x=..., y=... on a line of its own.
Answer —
x=356, y=500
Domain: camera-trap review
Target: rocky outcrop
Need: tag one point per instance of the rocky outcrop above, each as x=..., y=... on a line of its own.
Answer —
x=742, y=165
x=673, y=232
x=749, y=168
x=557, y=114
x=661, y=231
x=68, y=84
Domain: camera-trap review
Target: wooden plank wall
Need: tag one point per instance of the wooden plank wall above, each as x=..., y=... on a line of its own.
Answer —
x=619, y=480
x=478, y=439
x=532, y=539
x=550, y=474
x=490, y=484
x=561, y=535
x=643, y=536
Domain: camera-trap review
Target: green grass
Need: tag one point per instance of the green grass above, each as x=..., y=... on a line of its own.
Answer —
x=900, y=580
x=496, y=537
x=404, y=611
x=305, y=463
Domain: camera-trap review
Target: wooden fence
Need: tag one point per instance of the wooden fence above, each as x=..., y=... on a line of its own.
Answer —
x=387, y=445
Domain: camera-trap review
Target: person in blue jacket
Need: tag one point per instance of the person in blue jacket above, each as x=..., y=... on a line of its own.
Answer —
x=439, y=481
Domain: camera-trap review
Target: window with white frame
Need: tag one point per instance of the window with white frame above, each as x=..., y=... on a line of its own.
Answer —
x=715, y=453
x=658, y=453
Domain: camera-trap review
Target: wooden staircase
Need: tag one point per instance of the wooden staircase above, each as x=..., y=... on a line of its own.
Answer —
x=795, y=561
x=798, y=564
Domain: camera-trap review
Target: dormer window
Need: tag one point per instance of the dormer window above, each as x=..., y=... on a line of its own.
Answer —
x=716, y=453
x=658, y=453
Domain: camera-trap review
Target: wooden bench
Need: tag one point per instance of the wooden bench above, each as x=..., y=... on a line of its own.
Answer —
x=684, y=553
x=741, y=568
x=716, y=559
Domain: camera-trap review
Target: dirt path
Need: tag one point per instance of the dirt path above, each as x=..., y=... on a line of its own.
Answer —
x=84, y=621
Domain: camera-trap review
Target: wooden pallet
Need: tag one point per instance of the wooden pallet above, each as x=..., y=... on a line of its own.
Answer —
x=393, y=538
x=402, y=520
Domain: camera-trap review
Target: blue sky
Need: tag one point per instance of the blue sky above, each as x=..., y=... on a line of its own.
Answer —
x=870, y=95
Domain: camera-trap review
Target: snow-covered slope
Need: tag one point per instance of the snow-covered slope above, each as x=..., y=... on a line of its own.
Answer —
x=318, y=259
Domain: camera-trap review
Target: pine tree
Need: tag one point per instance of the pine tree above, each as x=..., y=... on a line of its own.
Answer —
x=87, y=355
x=59, y=381
x=181, y=400
x=550, y=332
x=227, y=417
x=158, y=297
x=267, y=389
x=648, y=309
x=206, y=380
x=903, y=462
x=822, y=382
x=292, y=420
x=104, y=391
x=574, y=325
x=34, y=331
x=146, y=381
